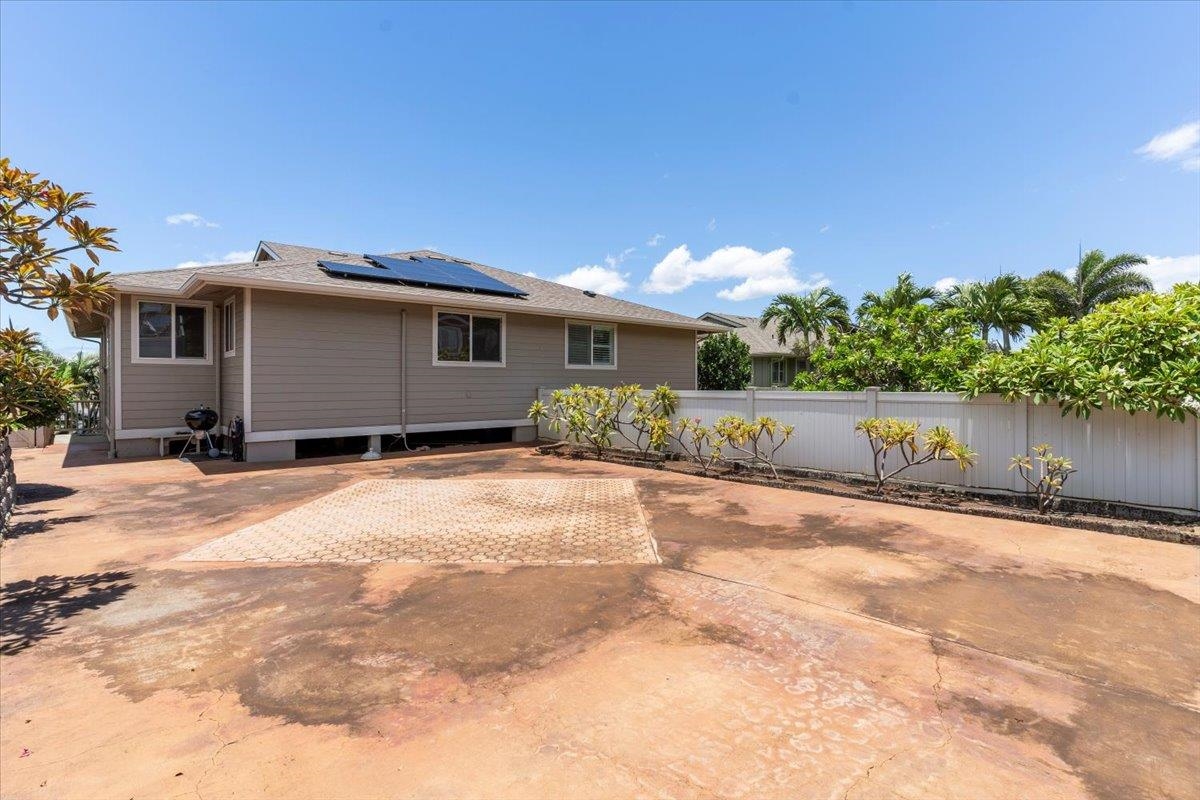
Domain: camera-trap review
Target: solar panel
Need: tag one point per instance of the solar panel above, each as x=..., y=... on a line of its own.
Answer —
x=421, y=271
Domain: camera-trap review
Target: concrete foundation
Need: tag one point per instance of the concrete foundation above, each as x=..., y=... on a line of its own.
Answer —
x=137, y=448
x=525, y=433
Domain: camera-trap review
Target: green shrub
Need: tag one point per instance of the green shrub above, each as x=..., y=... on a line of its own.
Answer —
x=723, y=362
x=1137, y=354
x=913, y=349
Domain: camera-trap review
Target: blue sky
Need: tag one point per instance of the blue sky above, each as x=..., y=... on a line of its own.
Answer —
x=842, y=142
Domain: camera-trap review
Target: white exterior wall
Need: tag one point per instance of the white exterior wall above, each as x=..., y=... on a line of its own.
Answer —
x=1136, y=459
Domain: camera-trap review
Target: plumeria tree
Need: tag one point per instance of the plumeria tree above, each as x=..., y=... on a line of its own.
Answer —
x=1141, y=353
x=914, y=448
x=40, y=230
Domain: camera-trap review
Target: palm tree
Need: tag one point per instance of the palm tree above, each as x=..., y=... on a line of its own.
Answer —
x=1005, y=303
x=969, y=297
x=904, y=294
x=1096, y=280
x=84, y=372
x=808, y=316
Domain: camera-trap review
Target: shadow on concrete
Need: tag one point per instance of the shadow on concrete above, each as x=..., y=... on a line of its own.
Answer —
x=31, y=611
x=41, y=492
x=224, y=466
x=86, y=451
x=18, y=528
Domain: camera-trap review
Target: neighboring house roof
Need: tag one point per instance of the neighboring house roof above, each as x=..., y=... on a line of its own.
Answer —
x=762, y=341
x=295, y=269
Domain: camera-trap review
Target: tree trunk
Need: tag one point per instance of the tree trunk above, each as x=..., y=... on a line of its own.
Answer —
x=1007, y=341
x=8, y=484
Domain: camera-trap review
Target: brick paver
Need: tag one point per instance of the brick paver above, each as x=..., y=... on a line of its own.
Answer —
x=452, y=522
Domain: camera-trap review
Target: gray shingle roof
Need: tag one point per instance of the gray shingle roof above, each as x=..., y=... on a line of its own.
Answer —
x=762, y=341
x=297, y=270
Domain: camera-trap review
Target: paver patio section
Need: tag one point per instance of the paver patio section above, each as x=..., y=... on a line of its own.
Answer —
x=535, y=521
x=787, y=645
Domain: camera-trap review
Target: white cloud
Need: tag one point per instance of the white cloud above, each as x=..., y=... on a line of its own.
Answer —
x=712, y=225
x=530, y=274
x=1181, y=145
x=824, y=229
x=655, y=240
x=189, y=218
x=232, y=257
x=946, y=284
x=594, y=278
x=1167, y=271
x=761, y=274
x=615, y=261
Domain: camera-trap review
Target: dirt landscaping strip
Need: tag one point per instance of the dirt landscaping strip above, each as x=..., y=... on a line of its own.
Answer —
x=1167, y=528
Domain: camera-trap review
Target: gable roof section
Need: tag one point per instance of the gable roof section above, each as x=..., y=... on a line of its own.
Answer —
x=297, y=271
x=762, y=341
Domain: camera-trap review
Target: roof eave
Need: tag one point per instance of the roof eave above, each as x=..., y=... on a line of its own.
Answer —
x=199, y=280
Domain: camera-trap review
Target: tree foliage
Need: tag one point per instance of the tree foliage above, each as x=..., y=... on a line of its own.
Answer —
x=33, y=392
x=1139, y=354
x=1004, y=304
x=1096, y=280
x=912, y=349
x=905, y=294
x=723, y=362
x=30, y=210
x=806, y=317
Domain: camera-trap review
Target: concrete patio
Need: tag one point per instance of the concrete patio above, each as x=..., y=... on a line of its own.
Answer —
x=787, y=645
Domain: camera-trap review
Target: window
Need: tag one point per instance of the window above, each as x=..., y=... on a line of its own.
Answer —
x=464, y=338
x=591, y=345
x=229, y=327
x=164, y=331
x=777, y=372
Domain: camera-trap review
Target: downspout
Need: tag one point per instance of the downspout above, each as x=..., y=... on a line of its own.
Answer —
x=218, y=346
x=404, y=375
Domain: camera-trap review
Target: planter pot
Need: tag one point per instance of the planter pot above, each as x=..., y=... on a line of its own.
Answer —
x=32, y=437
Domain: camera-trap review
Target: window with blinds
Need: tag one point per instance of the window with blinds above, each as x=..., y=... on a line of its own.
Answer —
x=591, y=345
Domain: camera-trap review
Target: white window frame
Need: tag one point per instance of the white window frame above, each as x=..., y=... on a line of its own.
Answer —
x=135, y=341
x=782, y=371
x=229, y=326
x=612, y=326
x=470, y=314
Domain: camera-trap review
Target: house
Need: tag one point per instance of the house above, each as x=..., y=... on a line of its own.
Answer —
x=774, y=364
x=310, y=344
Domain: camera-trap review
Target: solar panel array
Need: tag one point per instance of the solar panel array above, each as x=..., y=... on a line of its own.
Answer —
x=422, y=271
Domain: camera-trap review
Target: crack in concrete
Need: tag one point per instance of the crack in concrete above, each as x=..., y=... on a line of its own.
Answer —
x=1128, y=691
x=941, y=709
x=212, y=761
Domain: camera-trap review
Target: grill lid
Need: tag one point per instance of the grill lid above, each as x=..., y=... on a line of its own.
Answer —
x=201, y=419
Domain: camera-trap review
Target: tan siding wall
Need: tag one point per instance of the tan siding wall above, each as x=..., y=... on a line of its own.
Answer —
x=232, y=367
x=158, y=395
x=321, y=362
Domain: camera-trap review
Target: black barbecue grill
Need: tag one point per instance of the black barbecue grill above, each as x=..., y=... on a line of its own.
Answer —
x=201, y=420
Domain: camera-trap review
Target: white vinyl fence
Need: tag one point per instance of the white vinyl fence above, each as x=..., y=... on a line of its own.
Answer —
x=1137, y=459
